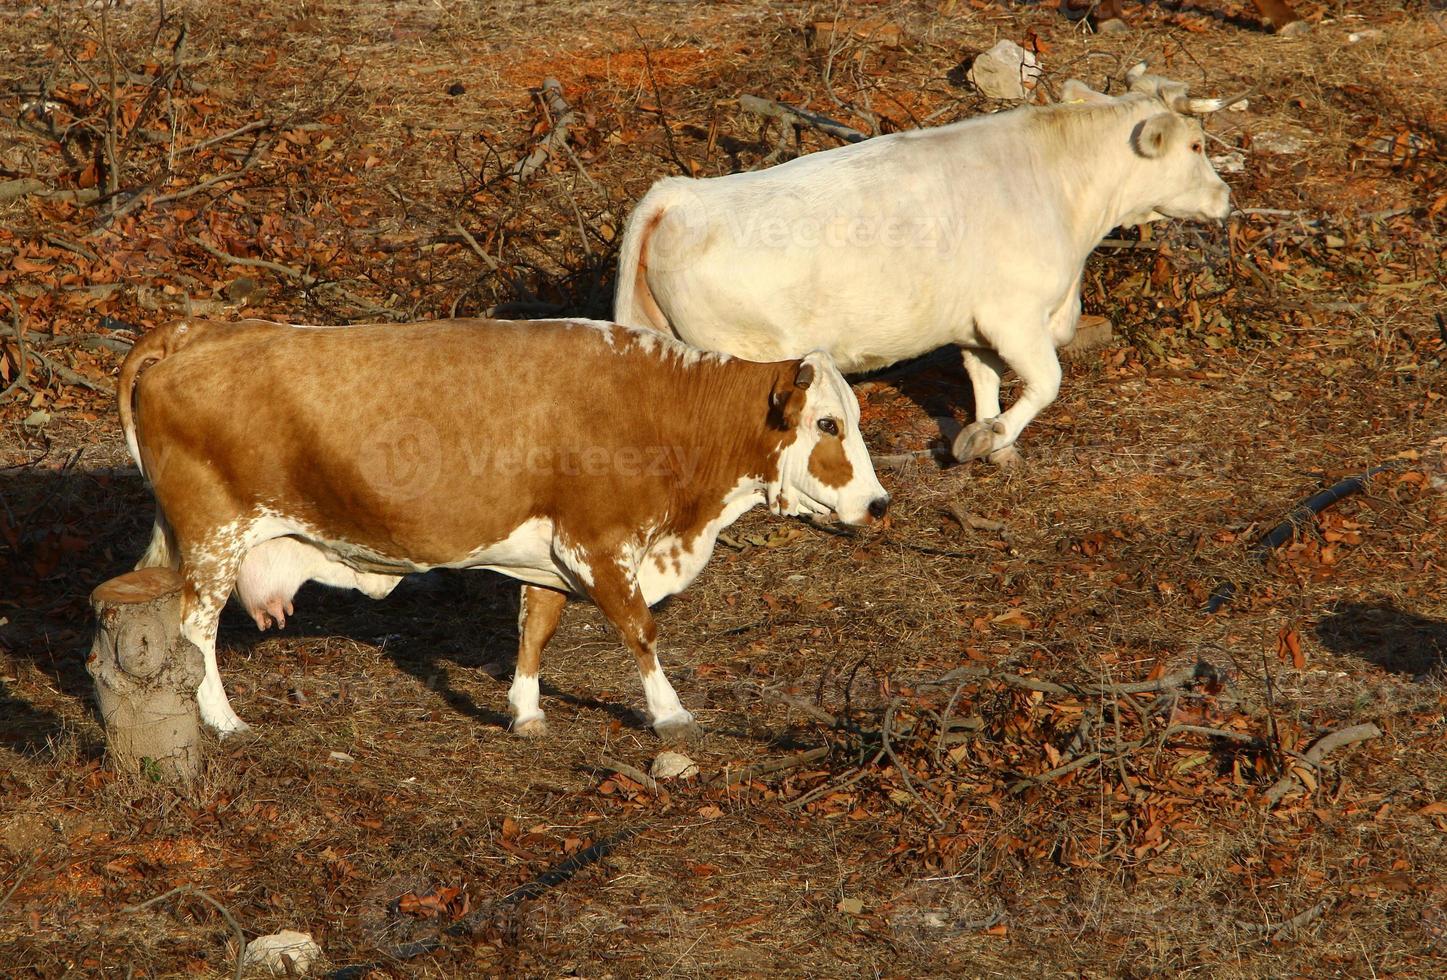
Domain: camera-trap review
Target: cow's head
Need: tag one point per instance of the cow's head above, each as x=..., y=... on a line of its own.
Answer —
x=1180, y=181
x=823, y=464
x=1185, y=183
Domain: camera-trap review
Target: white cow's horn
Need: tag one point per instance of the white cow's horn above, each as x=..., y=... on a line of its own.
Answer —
x=1136, y=71
x=1200, y=107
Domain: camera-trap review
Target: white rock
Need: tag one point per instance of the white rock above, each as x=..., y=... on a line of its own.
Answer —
x=267, y=952
x=1229, y=163
x=672, y=765
x=1282, y=143
x=1006, y=71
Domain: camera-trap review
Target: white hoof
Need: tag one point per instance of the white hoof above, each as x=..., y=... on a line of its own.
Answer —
x=225, y=724
x=978, y=440
x=533, y=727
x=678, y=728
x=1008, y=458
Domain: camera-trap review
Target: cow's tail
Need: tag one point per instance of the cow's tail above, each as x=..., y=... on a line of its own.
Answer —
x=161, y=552
x=633, y=303
x=154, y=346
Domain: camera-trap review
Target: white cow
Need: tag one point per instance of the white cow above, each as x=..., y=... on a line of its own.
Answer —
x=975, y=233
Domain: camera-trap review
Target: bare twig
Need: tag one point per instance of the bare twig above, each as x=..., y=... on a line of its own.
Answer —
x=794, y=116
x=225, y=912
x=683, y=168
x=835, y=787
x=900, y=766
x=1319, y=750
x=750, y=773
x=307, y=280
x=22, y=366
x=813, y=711
x=1292, y=924
x=562, y=117
x=20, y=876
x=67, y=375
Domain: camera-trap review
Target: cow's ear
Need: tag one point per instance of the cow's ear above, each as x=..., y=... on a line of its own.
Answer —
x=804, y=377
x=786, y=402
x=1153, y=136
x=1077, y=91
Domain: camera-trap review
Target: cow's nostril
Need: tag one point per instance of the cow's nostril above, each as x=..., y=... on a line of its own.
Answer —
x=878, y=507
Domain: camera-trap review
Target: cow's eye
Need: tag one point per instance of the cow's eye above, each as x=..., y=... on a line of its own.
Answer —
x=1196, y=147
x=829, y=427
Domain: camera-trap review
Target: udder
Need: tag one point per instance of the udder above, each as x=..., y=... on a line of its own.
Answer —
x=273, y=572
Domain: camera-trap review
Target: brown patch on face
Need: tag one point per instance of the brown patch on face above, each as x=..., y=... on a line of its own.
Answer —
x=828, y=464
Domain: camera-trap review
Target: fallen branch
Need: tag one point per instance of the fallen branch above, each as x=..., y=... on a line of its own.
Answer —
x=476, y=921
x=1292, y=924
x=750, y=773
x=632, y=772
x=794, y=116
x=1323, y=747
x=662, y=116
x=900, y=767
x=307, y=280
x=22, y=366
x=813, y=711
x=20, y=875
x=562, y=118
x=26, y=186
x=69, y=376
x=1201, y=672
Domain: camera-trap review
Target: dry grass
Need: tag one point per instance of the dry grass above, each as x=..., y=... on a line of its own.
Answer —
x=1144, y=487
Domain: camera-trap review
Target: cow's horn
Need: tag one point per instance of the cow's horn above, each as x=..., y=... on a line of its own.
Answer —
x=805, y=377
x=1136, y=71
x=1200, y=107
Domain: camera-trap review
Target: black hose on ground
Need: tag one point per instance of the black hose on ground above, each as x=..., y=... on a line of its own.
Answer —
x=1300, y=516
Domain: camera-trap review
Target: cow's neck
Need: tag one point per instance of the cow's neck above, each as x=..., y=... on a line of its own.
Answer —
x=729, y=456
x=1105, y=177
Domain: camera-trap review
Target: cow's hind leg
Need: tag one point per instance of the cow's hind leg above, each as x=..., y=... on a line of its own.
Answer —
x=616, y=593
x=538, y=616
x=976, y=440
x=210, y=574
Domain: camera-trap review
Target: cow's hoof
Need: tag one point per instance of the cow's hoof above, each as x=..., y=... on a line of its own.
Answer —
x=680, y=729
x=232, y=727
x=977, y=440
x=1294, y=29
x=532, y=728
x=1008, y=458
x=1113, y=26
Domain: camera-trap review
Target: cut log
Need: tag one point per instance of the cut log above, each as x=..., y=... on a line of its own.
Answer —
x=146, y=674
x=1090, y=333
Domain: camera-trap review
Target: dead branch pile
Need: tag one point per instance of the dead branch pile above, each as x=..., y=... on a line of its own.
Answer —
x=956, y=755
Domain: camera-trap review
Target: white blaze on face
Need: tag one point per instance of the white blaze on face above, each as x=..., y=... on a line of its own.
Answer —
x=827, y=466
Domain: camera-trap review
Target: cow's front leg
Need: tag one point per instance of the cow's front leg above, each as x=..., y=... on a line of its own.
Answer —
x=615, y=591
x=538, y=613
x=977, y=440
x=1030, y=352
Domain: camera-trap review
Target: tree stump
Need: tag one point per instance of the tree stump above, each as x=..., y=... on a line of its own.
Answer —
x=146, y=674
x=1090, y=332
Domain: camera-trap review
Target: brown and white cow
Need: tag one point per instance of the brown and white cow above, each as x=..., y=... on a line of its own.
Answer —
x=579, y=457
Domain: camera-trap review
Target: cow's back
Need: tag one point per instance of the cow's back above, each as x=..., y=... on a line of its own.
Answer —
x=363, y=430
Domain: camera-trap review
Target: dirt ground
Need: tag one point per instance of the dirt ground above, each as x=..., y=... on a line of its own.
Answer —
x=952, y=664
